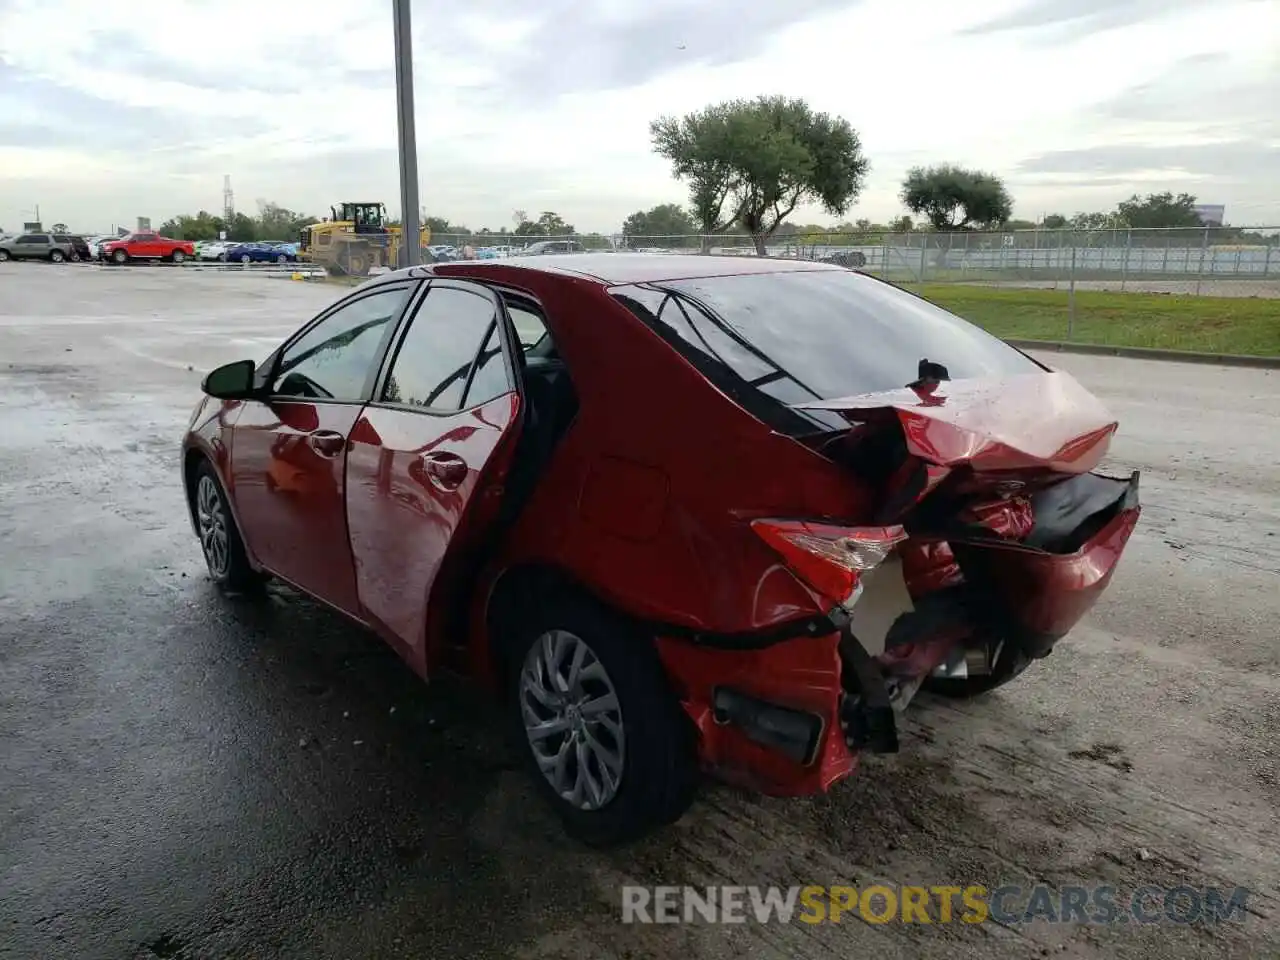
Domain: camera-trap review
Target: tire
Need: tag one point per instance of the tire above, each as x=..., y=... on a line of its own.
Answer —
x=220, y=539
x=1010, y=663
x=656, y=769
x=246, y=259
x=282, y=259
x=222, y=258
x=4, y=255
x=119, y=256
x=177, y=256
x=57, y=256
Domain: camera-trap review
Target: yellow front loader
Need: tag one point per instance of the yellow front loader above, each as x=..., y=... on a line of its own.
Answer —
x=354, y=240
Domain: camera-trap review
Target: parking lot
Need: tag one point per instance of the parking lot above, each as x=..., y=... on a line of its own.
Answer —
x=182, y=775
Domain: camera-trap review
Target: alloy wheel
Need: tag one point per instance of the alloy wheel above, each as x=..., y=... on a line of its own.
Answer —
x=211, y=517
x=573, y=720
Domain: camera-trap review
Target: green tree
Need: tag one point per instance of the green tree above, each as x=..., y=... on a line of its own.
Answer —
x=243, y=229
x=201, y=226
x=903, y=224
x=954, y=198
x=551, y=224
x=1160, y=210
x=664, y=220
x=754, y=161
x=1098, y=221
x=275, y=222
x=1054, y=221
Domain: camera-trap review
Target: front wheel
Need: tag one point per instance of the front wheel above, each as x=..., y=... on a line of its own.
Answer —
x=220, y=539
x=598, y=725
x=120, y=256
x=245, y=259
x=282, y=259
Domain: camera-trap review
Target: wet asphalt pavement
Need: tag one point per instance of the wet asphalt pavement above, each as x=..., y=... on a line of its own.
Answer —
x=183, y=775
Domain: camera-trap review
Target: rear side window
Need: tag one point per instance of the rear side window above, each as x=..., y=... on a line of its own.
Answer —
x=814, y=335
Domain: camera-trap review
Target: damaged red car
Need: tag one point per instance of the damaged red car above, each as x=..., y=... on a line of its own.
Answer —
x=682, y=514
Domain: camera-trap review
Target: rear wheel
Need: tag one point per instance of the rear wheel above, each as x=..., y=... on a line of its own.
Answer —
x=597, y=724
x=245, y=259
x=56, y=256
x=177, y=256
x=282, y=259
x=220, y=539
x=4, y=255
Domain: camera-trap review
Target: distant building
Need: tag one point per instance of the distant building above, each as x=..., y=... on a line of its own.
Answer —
x=1211, y=215
x=144, y=223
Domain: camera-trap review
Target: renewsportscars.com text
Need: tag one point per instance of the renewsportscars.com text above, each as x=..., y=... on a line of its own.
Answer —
x=1009, y=904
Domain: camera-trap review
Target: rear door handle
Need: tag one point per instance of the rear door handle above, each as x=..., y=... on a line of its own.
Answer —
x=446, y=470
x=327, y=443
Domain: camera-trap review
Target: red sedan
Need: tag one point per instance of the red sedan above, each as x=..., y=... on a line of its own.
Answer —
x=679, y=513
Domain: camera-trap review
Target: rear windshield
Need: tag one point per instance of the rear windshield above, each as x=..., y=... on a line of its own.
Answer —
x=813, y=335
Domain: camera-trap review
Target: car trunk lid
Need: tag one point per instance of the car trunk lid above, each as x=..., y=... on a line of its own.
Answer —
x=1040, y=421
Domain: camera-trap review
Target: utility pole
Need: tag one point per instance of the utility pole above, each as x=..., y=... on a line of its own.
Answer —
x=410, y=252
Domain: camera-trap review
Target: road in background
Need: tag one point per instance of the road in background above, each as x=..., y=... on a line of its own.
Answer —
x=185, y=776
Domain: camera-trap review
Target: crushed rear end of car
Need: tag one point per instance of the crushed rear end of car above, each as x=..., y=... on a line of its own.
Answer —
x=988, y=534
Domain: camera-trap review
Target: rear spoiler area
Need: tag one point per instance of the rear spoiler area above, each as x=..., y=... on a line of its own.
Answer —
x=1045, y=421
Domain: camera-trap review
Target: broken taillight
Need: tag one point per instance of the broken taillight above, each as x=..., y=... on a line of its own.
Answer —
x=827, y=557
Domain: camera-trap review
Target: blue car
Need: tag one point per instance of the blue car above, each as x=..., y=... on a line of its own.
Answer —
x=262, y=253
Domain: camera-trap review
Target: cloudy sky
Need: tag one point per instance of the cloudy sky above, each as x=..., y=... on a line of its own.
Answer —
x=113, y=110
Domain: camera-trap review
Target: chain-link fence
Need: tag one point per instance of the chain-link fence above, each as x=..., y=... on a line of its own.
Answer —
x=1208, y=261
x=1027, y=284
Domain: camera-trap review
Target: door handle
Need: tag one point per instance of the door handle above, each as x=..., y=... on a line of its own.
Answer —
x=327, y=443
x=446, y=470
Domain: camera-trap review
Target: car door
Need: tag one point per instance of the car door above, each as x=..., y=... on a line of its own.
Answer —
x=288, y=453
x=32, y=245
x=427, y=459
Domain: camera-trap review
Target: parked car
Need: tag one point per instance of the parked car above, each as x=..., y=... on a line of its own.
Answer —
x=676, y=511
x=214, y=250
x=441, y=253
x=36, y=246
x=545, y=247
x=79, y=246
x=146, y=245
x=259, y=253
x=96, y=244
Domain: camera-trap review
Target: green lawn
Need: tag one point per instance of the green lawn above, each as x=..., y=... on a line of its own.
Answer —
x=1240, y=325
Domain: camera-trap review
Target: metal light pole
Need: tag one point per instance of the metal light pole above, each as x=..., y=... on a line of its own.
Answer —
x=410, y=251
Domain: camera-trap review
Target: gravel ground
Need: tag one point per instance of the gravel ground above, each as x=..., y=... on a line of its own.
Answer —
x=183, y=776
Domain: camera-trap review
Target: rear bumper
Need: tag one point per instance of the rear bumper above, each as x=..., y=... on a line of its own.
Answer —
x=1035, y=596
x=756, y=712
x=790, y=717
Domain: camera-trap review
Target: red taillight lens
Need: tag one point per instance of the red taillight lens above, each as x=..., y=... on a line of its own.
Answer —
x=829, y=558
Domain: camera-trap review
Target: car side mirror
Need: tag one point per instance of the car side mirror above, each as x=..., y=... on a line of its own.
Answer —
x=232, y=381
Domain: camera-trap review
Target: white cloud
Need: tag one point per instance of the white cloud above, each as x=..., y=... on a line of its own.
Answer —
x=117, y=111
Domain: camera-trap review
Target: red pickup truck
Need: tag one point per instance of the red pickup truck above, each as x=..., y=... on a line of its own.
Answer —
x=146, y=246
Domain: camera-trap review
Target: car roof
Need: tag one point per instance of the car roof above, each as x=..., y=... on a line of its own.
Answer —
x=622, y=268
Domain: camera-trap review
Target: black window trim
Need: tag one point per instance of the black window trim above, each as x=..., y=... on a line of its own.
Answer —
x=508, y=337
x=742, y=392
x=267, y=370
